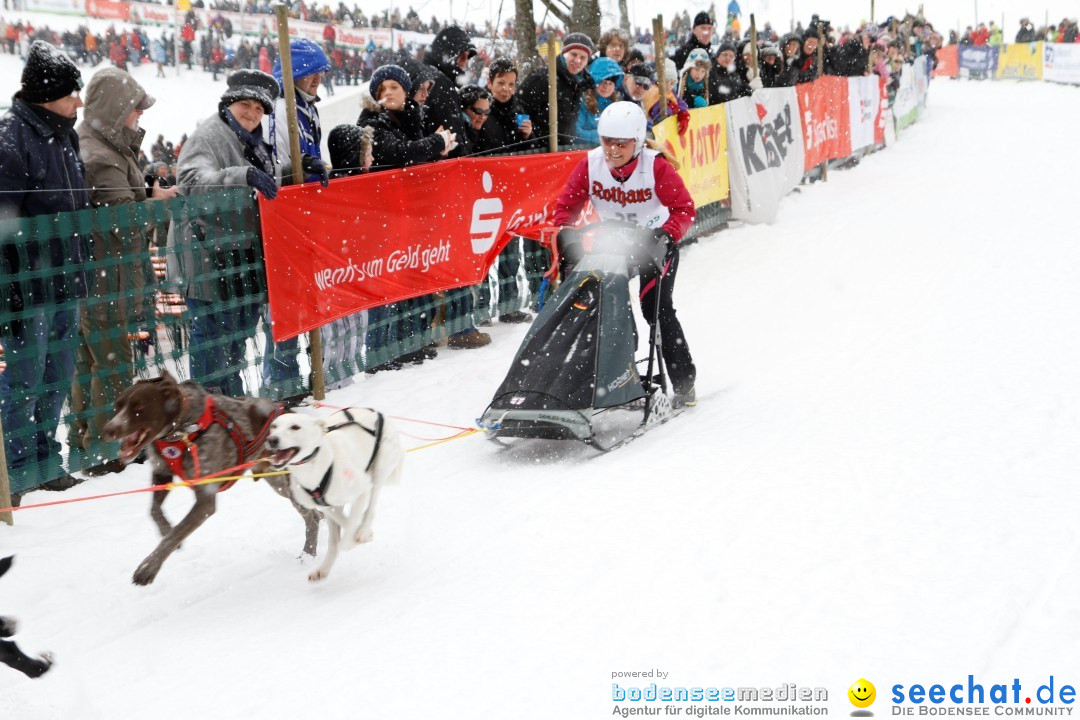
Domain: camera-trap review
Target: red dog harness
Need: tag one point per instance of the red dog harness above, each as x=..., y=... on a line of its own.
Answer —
x=173, y=451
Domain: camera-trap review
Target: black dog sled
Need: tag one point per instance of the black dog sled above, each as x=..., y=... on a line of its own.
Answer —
x=574, y=376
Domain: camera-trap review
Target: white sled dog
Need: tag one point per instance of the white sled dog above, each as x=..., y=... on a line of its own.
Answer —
x=338, y=466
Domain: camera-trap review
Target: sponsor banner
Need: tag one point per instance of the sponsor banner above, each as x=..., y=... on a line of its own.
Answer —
x=370, y=240
x=1020, y=62
x=905, y=105
x=921, y=67
x=153, y=13
x=948, y=62
x=978, y=58
x=765, y=151
x=701, y=152
x=108, y=9
x=823, y=109
x=67, y=7
x=1061, y=63
x=867, y=111
x=362, y=37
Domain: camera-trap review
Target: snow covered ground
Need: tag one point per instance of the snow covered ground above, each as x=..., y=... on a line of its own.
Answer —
x=879, y=482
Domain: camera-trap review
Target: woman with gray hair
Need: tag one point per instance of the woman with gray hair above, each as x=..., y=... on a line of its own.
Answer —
x=218, y=257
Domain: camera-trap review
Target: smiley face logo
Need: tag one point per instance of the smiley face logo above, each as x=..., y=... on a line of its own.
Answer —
x=862, y=693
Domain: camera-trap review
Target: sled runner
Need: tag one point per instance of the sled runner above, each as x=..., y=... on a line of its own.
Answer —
x=574, y=376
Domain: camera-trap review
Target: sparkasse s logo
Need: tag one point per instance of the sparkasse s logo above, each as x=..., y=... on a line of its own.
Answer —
x=1050, y=698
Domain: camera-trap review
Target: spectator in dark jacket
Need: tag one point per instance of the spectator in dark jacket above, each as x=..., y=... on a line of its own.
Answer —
x=791, y=60
x=731, y=85
x=399, y=139
x=700, y=37
x=448, y=57
x=40, y=174
x=808, y=61
x=504, y=130
x=572, y=79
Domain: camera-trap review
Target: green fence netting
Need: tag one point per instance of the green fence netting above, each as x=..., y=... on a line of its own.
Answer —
x=179, y=286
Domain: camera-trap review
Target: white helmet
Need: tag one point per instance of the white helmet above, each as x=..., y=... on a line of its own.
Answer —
x=623, y=120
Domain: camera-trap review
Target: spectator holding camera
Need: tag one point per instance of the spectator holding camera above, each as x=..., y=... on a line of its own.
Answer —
x=508, y=125
x=120, y=302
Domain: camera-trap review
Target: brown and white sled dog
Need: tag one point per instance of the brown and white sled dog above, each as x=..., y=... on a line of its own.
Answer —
x=338, y=465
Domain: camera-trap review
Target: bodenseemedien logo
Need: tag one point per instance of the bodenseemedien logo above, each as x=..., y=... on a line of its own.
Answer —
x=862, y=695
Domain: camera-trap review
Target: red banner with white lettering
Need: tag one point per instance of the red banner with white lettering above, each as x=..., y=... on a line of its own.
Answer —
x=108, y=9
x=375, y=239
x=823, y=106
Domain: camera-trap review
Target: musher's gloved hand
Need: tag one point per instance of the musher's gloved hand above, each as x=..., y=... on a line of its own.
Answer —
x=314, y=166
x=262, y=182
x=662, y=248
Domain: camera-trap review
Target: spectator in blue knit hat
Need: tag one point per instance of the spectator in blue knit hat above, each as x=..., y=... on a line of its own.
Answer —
x=309, y=63
x=608, y=76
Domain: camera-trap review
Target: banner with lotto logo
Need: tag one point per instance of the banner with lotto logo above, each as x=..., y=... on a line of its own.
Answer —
x=68, y=7
x=1061, y=63
x=765, y=151
x=701, y=152
x=1020, y=62
x=826, y=121
x=868, y=104
x=375, y=239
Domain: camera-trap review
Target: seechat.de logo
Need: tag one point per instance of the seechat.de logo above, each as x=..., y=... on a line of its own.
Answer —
x=862, y=695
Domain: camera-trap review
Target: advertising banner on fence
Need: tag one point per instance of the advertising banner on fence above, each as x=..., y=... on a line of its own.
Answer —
x=154, y=13
x=905, y=105
x=922, y=82
x=978, y=58
x=826, y=121
x=68, y=7
x=395, y=235
x=1020, y=62
x=948, y=62
x=108, y=9
x=867, y=105
x=765, y=152
x=1061, y=63
x=701, y=152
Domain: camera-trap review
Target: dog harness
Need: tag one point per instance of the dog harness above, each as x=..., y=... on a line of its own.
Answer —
x=319, y=493
x=173, y=451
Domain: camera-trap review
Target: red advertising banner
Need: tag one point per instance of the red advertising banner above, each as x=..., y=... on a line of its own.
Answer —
x=826, y=119
x=370, y=240
x=108, y=9
x=948, y=62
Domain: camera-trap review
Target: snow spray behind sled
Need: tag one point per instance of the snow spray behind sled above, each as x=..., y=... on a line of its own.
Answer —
x=577, y=361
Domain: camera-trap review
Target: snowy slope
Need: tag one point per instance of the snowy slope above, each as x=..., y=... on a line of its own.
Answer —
x=879, y=482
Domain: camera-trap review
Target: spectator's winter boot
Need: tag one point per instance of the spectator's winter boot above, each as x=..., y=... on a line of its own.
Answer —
x=468, y=340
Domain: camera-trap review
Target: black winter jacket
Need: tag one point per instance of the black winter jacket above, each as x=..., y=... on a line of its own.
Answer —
x=568, y=90
x=686, y=48
x=444, y=102
x=399, y=139
x=39, y=151
x=501, y=130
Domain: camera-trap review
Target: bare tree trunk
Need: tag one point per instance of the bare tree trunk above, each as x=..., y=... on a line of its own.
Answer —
x=624, y=17
x=525, y=35
x=585, y=18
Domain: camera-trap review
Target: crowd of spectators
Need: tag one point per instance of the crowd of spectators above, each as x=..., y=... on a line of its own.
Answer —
x=421, y=105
